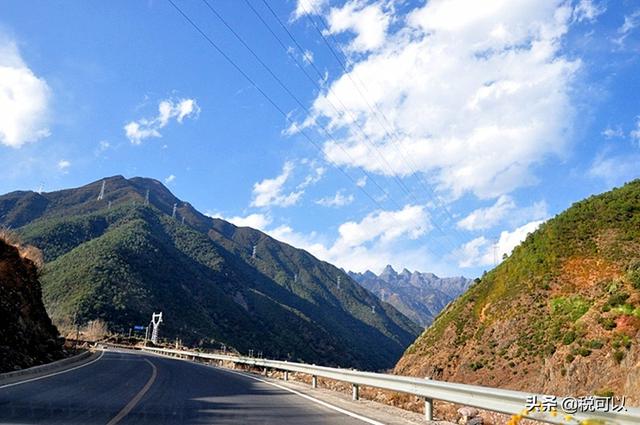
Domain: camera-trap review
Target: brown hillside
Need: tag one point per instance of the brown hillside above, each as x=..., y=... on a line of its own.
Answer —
x=561, y=315
x=27, y=336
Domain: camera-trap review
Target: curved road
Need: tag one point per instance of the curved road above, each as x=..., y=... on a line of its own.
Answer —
x=126, y=388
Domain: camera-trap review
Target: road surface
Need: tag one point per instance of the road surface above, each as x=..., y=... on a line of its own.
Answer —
x=128, y=388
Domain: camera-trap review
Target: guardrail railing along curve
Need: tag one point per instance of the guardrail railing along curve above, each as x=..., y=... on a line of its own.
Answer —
x=486, y=398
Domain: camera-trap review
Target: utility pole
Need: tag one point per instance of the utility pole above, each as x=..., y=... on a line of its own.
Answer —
x=77, y=325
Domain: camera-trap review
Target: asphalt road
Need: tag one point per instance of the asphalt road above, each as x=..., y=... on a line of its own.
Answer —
x=125, y=388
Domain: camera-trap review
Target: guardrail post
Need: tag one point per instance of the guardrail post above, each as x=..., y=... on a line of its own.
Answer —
x=314, y=381
x=428, y=409
x=428, y=406
x=264, y=372
x=355, y=391
x=286, y=375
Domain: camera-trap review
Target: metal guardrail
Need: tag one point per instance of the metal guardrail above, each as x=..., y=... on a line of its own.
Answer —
x=47, y=367
x=494, y=399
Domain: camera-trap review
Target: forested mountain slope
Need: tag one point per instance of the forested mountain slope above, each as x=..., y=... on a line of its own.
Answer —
x=120, y=258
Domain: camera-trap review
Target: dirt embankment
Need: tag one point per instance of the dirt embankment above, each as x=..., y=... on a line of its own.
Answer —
x=27, y=336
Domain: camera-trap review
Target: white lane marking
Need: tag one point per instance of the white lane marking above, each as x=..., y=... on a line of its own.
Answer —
x=135, y=400
x=53, y=374
x=313, y=399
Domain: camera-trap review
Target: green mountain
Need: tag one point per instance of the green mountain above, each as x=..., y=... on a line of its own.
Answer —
x=121, y=258
x=561, y=315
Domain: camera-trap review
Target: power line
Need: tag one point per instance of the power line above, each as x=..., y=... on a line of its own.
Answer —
x=292, y=95
x=276, y=106
x=375, y=111
x=370, y=144
x=346, y=110
x=301, y=105
x=266, y=96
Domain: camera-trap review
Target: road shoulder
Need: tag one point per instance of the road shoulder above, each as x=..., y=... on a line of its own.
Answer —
x=37, y=372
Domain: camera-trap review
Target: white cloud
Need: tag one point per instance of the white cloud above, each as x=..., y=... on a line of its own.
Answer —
x=615, y=170
x=137, y=131
x=24, y=99
x=169, y=179
x=269, y=192
x=362, y=181
x=314, y=177
x=481, y=251
x=368, y=21
x=337, y=200
x=504, y=210
x=256, y=221
x=378, y=239
x=630, y=23
x=63, y=165
x=588, y=10
x=480, y=131
x=611, y=132
x=307, y=57
x=304, y=7
x=103, y=145
x=635, y=134
x=486, y=218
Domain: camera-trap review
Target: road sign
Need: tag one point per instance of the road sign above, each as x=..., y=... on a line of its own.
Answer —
x=138, y=328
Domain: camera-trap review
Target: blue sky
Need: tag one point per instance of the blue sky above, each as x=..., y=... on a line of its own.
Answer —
x=428, y=135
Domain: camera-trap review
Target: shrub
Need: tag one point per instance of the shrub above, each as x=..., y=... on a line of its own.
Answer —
x=595, y=344
x=634, y=277
x=569, y=337
x=571, y=307
x=476, y=366
x=584, y=351
x=569, y=358
x=606, y=392
x=618, y=356
x=617, y=299
x=607, y=322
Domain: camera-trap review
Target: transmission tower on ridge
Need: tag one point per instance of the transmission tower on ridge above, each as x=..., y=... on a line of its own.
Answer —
x=173, y=214
x=101, y=195
x=253, y=254
x=339, y=282
x=146, y=199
